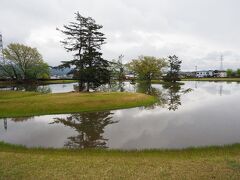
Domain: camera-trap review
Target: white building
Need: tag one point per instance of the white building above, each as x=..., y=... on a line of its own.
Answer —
x=201, y=74
x=221, y=73
x=210, y=73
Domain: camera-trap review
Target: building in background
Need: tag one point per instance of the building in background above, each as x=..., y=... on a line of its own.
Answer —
x=202, y=74
x=220, y=73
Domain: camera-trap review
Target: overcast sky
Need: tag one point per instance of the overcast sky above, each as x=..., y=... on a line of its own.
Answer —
x=198, y=31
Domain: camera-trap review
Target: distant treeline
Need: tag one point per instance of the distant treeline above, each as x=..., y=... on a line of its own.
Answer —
x=233, y=73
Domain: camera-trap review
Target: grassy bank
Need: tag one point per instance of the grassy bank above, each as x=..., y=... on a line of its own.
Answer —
x=7, y=83
x=18, y=104
x=166, y=82
x=51, y=81
x=201, y=163
x=212, y=79
x=159, y=82
x=58, y=81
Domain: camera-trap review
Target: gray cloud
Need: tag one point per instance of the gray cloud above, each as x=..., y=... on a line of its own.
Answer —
x=197, y=31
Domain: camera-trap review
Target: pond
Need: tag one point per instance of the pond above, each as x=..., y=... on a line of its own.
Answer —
x=48, y=88
x=190, y=114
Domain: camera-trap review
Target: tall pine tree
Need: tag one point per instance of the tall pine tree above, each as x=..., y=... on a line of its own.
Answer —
x=83, y=37
x=174, y=69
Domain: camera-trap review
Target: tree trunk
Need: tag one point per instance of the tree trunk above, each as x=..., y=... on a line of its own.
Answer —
x=88, y=87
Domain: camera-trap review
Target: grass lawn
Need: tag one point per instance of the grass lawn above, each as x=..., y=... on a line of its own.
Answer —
x=201, y=163
x=7, y=83
x=212, y=79
x=58, y=81
x=19, y=104
x=51, y=81
x=157, y=81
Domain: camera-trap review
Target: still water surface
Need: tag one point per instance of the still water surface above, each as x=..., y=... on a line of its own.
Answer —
x=193, y=114
x=49, y=88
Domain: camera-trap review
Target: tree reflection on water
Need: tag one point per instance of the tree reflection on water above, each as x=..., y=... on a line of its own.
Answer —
x=89, y=127
x=173, y=98
x=28, y=87
x=168, y=96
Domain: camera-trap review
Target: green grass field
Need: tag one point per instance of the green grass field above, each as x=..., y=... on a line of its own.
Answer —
x=212, y=79
x=17, y=162
x=53, y=81
x=19, y=104
x=5, y=83
x=58, y=81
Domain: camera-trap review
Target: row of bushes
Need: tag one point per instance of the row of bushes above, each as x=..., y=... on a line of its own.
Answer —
x=232, y=73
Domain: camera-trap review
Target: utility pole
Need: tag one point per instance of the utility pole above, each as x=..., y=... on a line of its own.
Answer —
x=1, y=48
x=221, y=65
x=221, y=90
x=5, y=124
